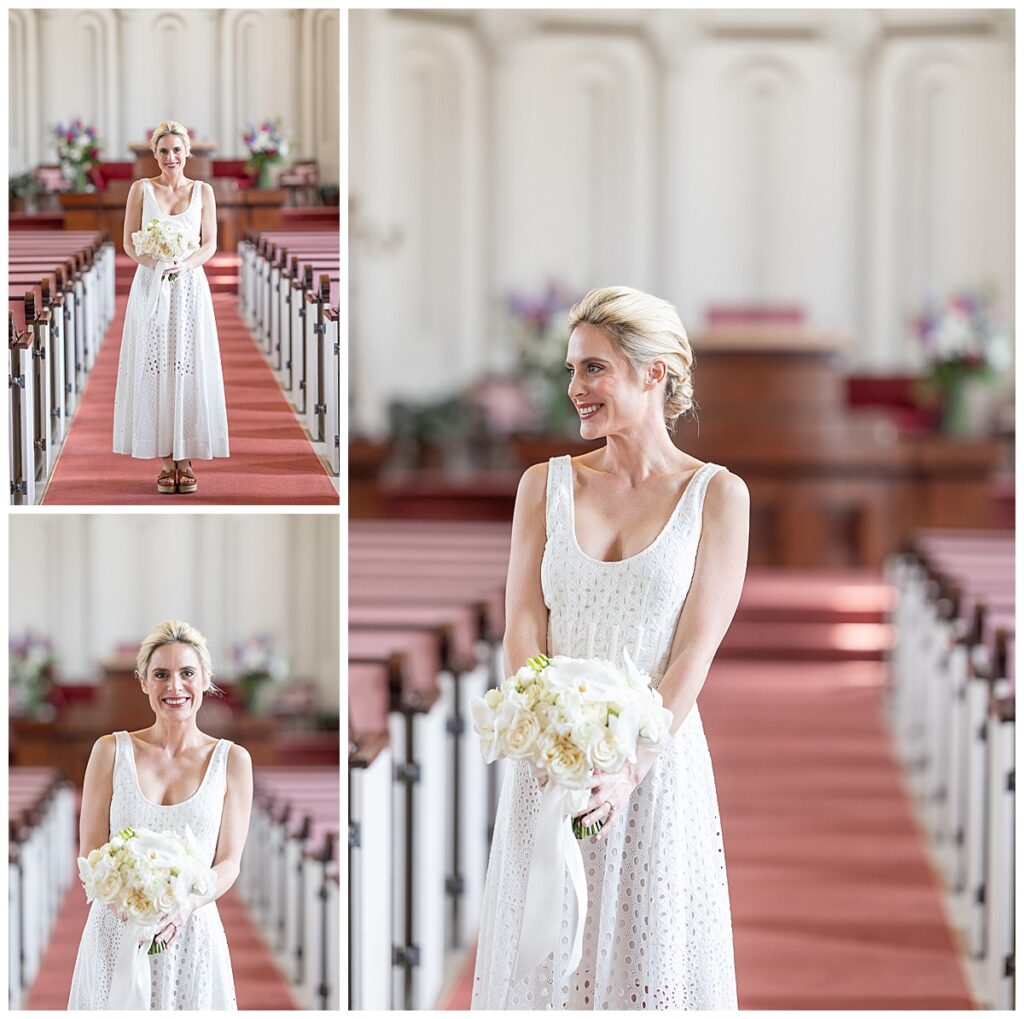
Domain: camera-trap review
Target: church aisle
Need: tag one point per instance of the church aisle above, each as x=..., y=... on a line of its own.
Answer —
x=835, y=905
x=272, y=461
x=258, y=982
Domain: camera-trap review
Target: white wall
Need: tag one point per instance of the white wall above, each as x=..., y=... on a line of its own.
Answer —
x=95, y=582
x=842, y=161
x=126, y=70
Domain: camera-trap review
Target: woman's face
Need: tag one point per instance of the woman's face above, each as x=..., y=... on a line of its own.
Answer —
x=170, y=153
x=607, y=391
x=175, y=682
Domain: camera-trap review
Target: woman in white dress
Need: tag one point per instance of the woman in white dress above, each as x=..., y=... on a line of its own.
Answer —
x=163, y=778
x=635, y=545
x=170, y=391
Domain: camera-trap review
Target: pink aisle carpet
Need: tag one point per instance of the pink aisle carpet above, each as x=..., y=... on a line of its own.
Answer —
x=271, y=462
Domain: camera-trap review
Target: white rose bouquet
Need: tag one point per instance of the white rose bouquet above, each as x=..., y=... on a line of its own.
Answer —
x=569, y=718
x=166, y=242
x=143, y=875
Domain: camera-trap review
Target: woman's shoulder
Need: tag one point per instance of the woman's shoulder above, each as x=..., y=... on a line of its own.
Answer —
x=104, y=749
x=727, y=493
x=239, y=760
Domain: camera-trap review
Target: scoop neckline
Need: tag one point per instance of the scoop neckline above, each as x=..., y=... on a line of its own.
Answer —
x=173, y=215
x=180, y=803
x=646, y=548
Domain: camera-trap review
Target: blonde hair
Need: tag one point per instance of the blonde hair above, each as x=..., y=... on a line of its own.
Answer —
x=646, y=328
x=166, y=127
x=176, y=631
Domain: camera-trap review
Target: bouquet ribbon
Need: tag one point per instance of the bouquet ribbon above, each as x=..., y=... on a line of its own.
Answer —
x=131, y=985
x=556, y=851
x=159, y=306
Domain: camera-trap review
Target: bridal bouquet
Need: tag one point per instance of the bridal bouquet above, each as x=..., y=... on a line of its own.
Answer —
x=143, y=874
x=569, y=718
x=166, y=242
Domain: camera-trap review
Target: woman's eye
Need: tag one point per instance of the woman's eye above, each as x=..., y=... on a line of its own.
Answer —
x=594, y=368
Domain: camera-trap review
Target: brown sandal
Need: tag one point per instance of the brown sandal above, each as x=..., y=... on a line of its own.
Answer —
x=167, y=482
x=187, y=483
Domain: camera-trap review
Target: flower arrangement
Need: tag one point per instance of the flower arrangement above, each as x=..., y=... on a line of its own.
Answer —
x=78, y=150
x=31, y=666
x=258, y=665
x=143, y=874
x=961, y=341
x=571, y=717
x=267, y=144
x=165, y=241
x=537, y=324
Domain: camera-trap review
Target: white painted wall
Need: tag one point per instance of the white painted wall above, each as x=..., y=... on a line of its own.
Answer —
x=843, y=161
x=127, y=69
x=95, y=582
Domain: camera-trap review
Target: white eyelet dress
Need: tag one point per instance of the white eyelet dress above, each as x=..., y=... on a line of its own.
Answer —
x=658, y=931
x=170, y=390
x=195, y=972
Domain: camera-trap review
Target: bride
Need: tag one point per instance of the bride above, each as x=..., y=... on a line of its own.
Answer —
x=635, y=545
x=170, y=393
x=163, y=778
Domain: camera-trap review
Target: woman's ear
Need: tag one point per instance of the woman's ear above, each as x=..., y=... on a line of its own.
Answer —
x=656, y=371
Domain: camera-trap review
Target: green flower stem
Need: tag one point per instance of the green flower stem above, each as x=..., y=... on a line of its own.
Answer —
x=584, y=833
x=157, y=947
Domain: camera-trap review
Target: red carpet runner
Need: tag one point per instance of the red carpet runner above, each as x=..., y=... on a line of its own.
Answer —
x=271, y=459
x=258, y=982
x=834, y=903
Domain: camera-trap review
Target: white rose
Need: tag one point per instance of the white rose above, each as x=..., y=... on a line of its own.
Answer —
x=565, y=762
x=606, y=755
x=589, y=726
x=109, y=886
x=520, y=734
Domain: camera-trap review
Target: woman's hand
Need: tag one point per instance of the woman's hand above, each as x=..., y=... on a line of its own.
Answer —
x=174, y=270
x=170, y=925
x=609, y=794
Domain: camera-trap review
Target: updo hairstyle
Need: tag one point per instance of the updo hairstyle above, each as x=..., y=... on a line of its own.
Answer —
x=176, y=631
x=646, y=328
x=166, y=127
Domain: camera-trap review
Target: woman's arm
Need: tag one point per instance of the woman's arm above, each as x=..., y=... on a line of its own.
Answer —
x=94, y=821
x=234, y=827
x=707, y=612
x=133, y=222
x=526, y=615
x=207, y=230
x=714, y=593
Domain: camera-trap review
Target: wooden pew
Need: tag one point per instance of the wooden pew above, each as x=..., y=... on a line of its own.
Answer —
x=288, y=871
x=60, y=302
x=370, y=838
x=289, y=297
x=429, y=577
x=951, y=709
x=41, y=852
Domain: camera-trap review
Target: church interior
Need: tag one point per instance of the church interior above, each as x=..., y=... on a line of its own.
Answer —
x=827, y=198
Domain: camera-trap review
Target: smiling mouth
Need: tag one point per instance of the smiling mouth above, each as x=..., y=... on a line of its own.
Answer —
x=588, y=410
x=176, y=702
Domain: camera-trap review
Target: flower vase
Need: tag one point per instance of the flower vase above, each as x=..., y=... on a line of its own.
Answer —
x=955, y=420
x=265, y=179
x=81, y=181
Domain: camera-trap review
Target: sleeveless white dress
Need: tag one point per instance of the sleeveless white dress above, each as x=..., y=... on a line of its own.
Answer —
x=658, y=932
x=195, y=972
x=170, y=390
